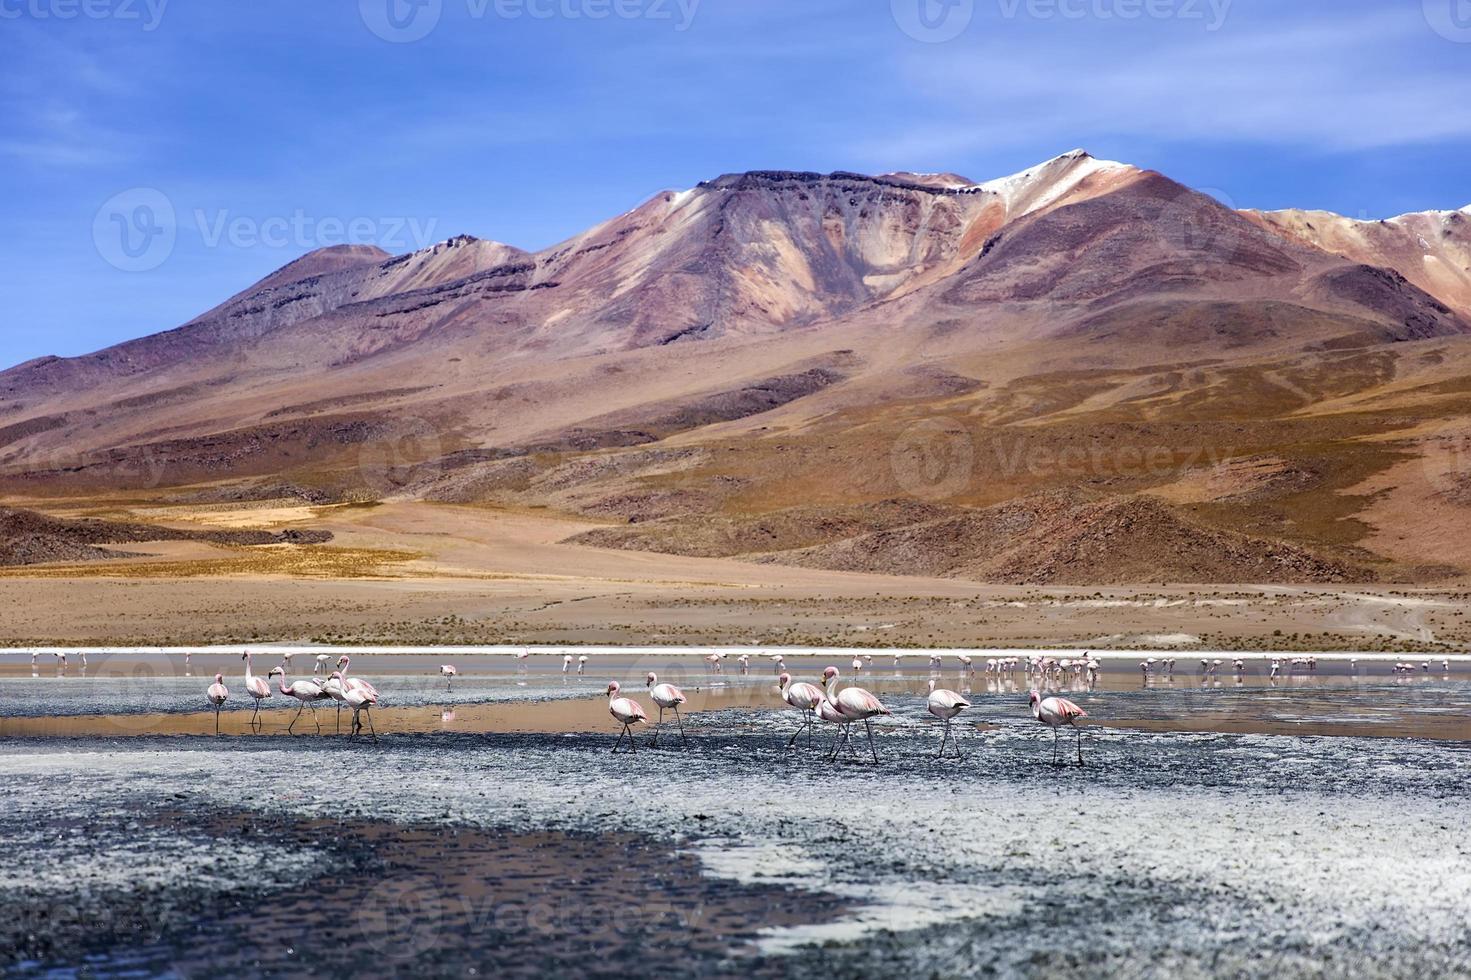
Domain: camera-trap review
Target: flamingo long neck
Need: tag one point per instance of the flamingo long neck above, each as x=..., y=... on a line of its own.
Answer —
x=248, y=677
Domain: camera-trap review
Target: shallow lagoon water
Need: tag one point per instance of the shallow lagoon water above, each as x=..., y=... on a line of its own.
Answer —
x=1180, y=853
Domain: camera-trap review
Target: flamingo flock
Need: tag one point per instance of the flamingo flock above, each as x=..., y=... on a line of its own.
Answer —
x=835, y=700
x=352, y=692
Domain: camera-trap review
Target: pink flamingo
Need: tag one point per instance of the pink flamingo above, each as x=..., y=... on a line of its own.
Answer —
x=448, y=672
x=359, y=700
x=217, y=694
x=854, y=704
x=348, y=683
x=1056, y=712
x=945, y=705
x=255, y=687
x=827, y=711
x=306, y=692
x=805, y=698
x=335, y=687
x=566, y=662
x=627, y=711
x=666, y=696
x=714, y=661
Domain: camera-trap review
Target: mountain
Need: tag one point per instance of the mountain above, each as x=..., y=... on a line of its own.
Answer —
x=794, y=355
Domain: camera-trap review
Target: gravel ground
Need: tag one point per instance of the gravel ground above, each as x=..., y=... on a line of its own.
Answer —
x=1168, y=854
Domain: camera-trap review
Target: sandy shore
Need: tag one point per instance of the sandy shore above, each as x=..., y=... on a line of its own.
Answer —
x=420, y=574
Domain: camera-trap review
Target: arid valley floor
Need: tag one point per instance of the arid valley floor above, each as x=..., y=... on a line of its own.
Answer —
x=416, y=573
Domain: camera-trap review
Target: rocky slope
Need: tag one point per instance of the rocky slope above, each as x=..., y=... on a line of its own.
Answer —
x=768, y=352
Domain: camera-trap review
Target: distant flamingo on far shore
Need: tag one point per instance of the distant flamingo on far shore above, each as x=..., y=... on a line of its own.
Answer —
x=448, y=672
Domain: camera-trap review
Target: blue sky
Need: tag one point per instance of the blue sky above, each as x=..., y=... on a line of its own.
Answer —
x=270, y=127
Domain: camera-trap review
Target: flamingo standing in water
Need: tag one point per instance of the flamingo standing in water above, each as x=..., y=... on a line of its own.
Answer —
x=745, y=660
x=335, y=687
x=854, y=704
x=61, y=664
x=348, y=683
x=857, y=666
x=448, y=672
x=945, y=705
x=305, y=692
x=1056, y=712
x=805, y=698
x=566, y=662
x=217, y=694
x=581, y=664
x=666, y=696
x=255, y=687
x=359, y=700
x=320, y=667
x=626, y=711
x=521, y=658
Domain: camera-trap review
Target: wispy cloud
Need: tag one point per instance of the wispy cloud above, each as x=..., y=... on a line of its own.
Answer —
x=1358, y=81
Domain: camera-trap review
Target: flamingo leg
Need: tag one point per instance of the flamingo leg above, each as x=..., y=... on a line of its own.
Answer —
x=371, y=730
x=1054, y=745
x=833, y=755
x=1079, y=732
x=632, y=749
x=658, y=725
x=256, y=713
x=315, y=721
x=800, y=729
x=869, y=726
x=955, y=740
x=217, y=720
x=289, y=727
x=683, y=740
x=339, y=717
x=944, y=734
